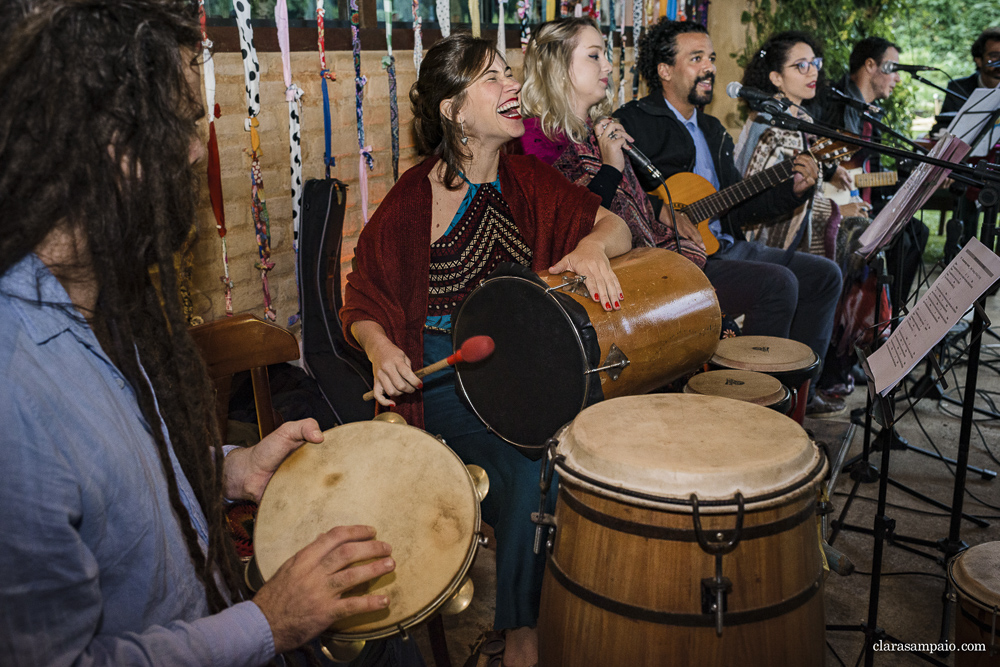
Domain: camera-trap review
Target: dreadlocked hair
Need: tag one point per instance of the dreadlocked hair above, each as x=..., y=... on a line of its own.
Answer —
x=95, y=131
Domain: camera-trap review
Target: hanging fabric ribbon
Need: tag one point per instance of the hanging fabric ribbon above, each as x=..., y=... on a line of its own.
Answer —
x=292, y=94
x=621, y=53
x=609, y=44
x=214, y=171
x=418, y=39
x=364, y=152
x=501, y=25
x=258, y=207
x=444, y=16
x=524, y=16
x=550, y=9
x=636, y=31
x=389, y=63
x=474, y=18
x=324, y=75
x=578, y=10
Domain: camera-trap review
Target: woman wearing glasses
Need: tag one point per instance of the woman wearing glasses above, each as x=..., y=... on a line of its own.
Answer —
x=790, y=67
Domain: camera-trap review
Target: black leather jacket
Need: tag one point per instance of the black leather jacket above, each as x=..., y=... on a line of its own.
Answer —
x=667, y=143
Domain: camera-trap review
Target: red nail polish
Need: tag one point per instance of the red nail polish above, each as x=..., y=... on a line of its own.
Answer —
x=616, y=304
x=607, y=306
x=420, y=386
x=621, y=296
x=597, y=297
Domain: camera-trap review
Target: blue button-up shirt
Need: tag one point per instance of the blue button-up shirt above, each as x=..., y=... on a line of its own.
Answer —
x=703, y=165
x=93, y=565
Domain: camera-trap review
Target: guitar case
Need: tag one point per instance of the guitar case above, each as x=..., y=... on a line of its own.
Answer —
x=342, y=372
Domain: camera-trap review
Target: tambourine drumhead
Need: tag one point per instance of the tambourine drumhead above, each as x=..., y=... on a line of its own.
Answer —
x=415, y=491
x=976, y=574
x=747, y=386
x=764, y=354
x=658, y=449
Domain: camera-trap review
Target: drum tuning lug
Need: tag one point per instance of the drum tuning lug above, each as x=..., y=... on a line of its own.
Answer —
x=390, y=418
x=340, y=651
x=614, y=363
x=403, y=634
x=480, y=480
x=715, y=595
x=460, y=600
x=576, y=285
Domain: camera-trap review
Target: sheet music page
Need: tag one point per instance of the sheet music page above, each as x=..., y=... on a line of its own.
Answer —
x=970, y=119
x=963, y=281
x=912, y=194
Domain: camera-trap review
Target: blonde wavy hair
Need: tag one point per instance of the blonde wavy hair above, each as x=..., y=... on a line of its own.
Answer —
x=548, y=92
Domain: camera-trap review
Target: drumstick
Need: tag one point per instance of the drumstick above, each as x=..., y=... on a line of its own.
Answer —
x=475, y=349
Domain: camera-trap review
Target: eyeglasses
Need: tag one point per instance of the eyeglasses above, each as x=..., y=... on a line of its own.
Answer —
x=804, y=65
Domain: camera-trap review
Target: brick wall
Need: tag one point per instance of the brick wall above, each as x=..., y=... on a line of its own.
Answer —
x=234, y=145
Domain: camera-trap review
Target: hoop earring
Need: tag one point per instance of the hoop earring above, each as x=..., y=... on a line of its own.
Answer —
x=465, y=139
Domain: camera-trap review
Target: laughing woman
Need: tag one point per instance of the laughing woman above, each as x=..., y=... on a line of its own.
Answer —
x=469, y=206
x=567, y=98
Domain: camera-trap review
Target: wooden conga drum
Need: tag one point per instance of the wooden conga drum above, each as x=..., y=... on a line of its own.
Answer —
x=408, y=485
x=667, y=505
x=975, y=574
x=558, y=351
x=748, y=386
x=792, y=363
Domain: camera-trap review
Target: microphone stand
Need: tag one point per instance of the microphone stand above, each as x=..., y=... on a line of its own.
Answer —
x=883, y=526
x=934, y=85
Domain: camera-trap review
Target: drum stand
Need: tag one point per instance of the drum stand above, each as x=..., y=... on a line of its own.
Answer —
x=880, y=408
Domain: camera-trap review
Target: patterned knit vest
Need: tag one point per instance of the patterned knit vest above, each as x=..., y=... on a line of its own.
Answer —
x=485, y=236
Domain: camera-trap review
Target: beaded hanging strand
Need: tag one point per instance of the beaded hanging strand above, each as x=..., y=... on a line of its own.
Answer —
x=292, y=94
x=636, y=31
x=324, y=75
x=621, y=53
x=501, y=24
x=364, y=152
x=214, y=171
x=524, y=16
x=389, y=63
x=258, y=206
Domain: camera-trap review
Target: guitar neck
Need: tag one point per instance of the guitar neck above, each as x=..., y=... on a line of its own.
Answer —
x=727, y=198
x=876, y=179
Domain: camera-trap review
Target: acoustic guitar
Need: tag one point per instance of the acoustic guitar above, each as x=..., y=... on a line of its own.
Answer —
x=697, y=198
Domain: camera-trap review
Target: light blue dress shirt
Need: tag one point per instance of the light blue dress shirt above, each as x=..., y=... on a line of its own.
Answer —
x=93, y=565
x=703, y=165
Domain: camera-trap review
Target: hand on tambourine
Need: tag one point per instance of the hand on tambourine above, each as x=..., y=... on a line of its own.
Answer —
x=247, y=470
x=306, y=595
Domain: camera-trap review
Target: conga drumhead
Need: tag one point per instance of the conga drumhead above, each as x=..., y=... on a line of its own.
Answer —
x=747, y=386
x=536, y=379
x=658, y=449
x=408, y=485
x=764, y=354
x=976, y=575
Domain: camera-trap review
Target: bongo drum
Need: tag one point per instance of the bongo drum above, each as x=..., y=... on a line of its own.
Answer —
x=684, y=534
x=411, y=488
x=792, y=363
x=557, y=350
x=748, y=386
x=975, y=574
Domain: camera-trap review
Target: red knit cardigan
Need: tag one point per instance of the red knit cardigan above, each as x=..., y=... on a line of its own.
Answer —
x=391, y=280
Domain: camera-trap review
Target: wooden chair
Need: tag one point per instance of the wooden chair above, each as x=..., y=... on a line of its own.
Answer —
x=244, y=343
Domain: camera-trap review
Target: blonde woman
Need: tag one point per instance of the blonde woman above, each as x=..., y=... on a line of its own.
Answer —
x=567, y=103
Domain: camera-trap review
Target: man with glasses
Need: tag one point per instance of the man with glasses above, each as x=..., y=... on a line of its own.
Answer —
x=780, y=295
x=867, y=82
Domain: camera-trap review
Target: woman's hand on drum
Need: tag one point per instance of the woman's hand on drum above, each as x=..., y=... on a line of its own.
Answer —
x=307, y=593
x=611, y=137
x=589, y=259
x=247, y=470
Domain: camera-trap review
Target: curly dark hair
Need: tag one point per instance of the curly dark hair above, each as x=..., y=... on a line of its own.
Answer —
x=773, y=57
x=658, y=44
x=96, y=126
x=446, y=72
x=987, y=35
x=869, y=47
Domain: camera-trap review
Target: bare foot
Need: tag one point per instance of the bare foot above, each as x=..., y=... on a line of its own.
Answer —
x=521, y=648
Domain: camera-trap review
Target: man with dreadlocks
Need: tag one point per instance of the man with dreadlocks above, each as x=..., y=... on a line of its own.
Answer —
x=112, y=478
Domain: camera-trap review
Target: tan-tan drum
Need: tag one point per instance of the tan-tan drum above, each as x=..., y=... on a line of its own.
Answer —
x=411, y=487
x=558, y=351
x=792, y=363
x=748, y=386
x=668, y=505
x=975, y=574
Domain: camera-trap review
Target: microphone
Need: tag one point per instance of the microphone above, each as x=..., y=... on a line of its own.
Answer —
x=642, y=161
x=737, y=90
x=860, y=105
x=889, y=67
x=993, y=65
x=474, y=349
